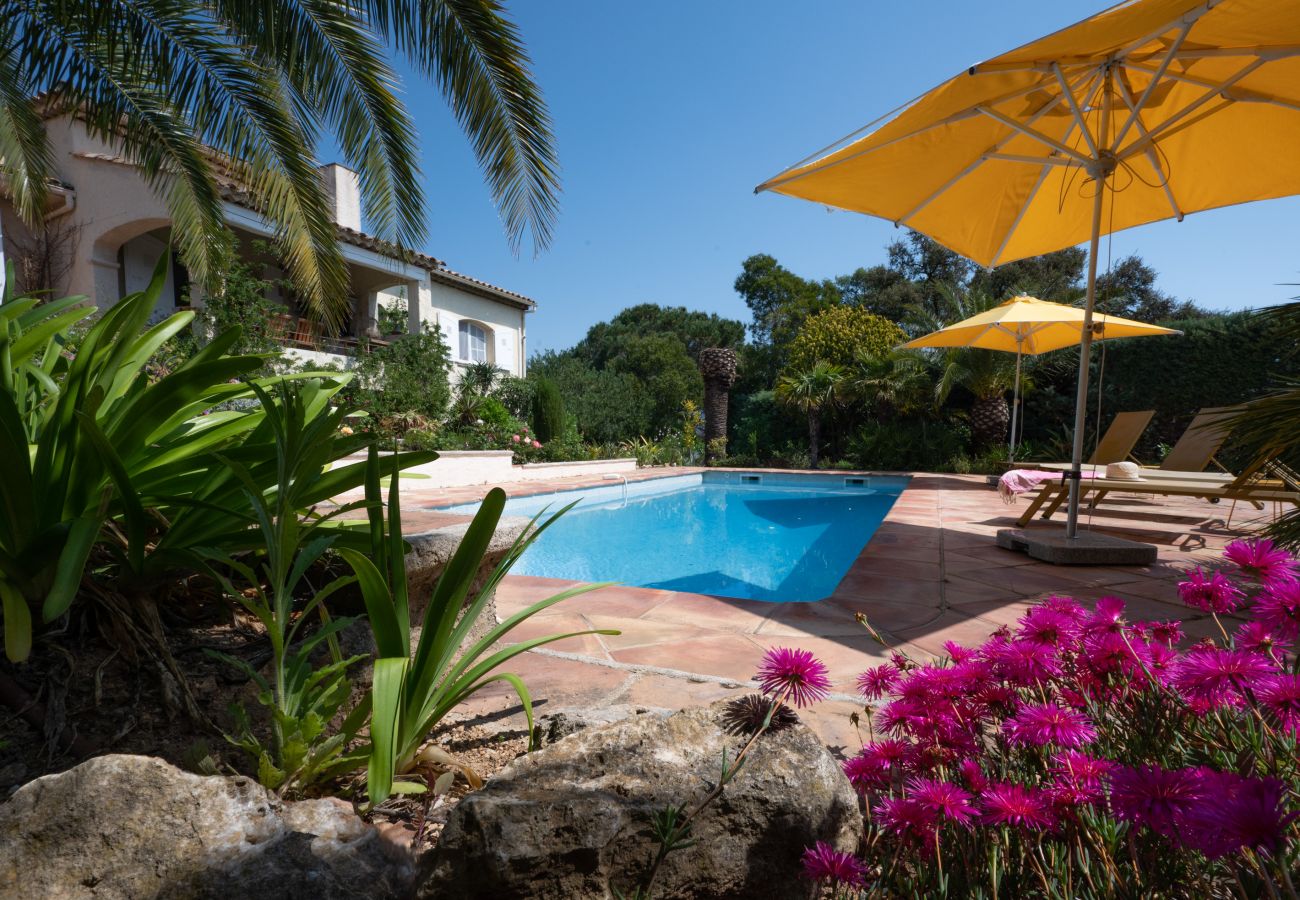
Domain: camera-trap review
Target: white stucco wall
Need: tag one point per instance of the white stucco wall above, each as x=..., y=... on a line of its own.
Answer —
x=115, y=209
x=447, y=306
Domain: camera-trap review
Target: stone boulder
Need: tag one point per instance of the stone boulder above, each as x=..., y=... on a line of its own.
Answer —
x=431, y=551
x=134, y=826
x=564, y=822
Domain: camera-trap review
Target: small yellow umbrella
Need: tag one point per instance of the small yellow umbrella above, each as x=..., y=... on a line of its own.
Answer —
x=1165, y=107
x=1028, y=325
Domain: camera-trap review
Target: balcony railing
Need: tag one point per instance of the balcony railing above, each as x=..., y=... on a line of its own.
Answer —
x=305, y=334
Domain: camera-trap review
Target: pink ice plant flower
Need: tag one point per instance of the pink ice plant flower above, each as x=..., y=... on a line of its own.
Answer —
x=908, y=818
x=824, y=864
x=1214, y=593
x=1216, y=677
x=1260, y=637
x=1047, y=723
x=1080, y=778
x=795, y=674
x=1017, y=805
x=1279, y=696
x=1237, y=813
x=1278, y=607
x=942, y=797
x=877, y=681
x=1262, y=560
x=1154, y=797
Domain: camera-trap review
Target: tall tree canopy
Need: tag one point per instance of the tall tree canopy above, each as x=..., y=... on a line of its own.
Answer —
x=168, y=82
x=696, y=331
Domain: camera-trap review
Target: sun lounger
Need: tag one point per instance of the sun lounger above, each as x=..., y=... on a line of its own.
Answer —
x=1053, y=494
x=1120, y=437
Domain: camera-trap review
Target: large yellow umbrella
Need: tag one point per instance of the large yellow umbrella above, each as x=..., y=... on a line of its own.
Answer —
x=1149, y=110
x=1027, y=325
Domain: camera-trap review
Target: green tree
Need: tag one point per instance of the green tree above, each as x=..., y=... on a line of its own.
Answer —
x=840, y=334
x=696, y=331
x=661, y=363
x=812, y=391
x=548, y=411
x=779, y=299
x=165, y=80
x=608, y=406
x=1129, y=289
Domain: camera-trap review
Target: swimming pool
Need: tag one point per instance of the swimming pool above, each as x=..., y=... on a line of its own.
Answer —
x=774, y=537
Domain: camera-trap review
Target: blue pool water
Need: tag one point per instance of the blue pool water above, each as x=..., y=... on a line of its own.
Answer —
x=787, y=538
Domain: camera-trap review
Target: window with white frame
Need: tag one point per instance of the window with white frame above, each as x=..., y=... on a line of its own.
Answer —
x=473, y=342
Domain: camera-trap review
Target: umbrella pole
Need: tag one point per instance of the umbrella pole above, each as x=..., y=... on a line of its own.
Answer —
x=1015, y=404
x=1100, y=177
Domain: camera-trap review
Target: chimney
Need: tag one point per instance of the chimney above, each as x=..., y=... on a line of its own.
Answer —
x=344, y=193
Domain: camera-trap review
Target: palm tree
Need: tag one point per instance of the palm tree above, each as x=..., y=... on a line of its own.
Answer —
x=197, y=93
x=811, y=391
x=892, y=383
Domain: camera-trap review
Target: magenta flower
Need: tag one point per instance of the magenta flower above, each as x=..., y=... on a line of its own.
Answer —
x=957, y=653
x=1215, y=677
x=1082, y=772
x=1014, y=804
x=824, y=864
x=877, y=681
x=1258, y=636
x=1234, y=813
x=1046, y=625
x=908, y=818
x=1262, y=560
x=1154, y=797
x=1107, y=616
x=1038, y=726
x=1168, y=633
x=796, y=675
x=1023, y=662
x=942, y=797
x=970, y=770
x=1278, y=607
x=1279, y=696
x=873, y=768
x=1215, y=594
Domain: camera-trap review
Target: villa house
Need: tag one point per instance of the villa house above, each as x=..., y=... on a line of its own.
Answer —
x=104, y=230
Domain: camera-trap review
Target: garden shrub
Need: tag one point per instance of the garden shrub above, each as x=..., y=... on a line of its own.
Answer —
x=516, y=394
x=840, y=334
x=548, y=411
x=409, y=375
x=909, y=444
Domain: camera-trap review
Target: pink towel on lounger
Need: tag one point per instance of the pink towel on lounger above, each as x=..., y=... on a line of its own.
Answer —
x=1017, y=481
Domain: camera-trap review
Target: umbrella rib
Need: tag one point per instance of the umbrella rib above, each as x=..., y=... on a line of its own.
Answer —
x=1042, y=177
x=1155, y=134
x=990, y=154
x=1074, y=108
x=1032, y=133
x=1155, y=79
x=1238, y=96
x=1151, y=154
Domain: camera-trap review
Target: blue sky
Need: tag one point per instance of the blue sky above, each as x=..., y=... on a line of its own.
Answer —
x=667, y=114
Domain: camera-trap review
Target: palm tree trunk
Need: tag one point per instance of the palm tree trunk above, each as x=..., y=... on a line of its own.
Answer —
x=814, y=435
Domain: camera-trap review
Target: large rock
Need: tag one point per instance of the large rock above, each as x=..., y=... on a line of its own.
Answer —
x=562, y=822
x=431, y=551
x=134, y=826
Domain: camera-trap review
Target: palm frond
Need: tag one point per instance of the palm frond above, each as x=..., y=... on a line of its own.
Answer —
x=474, y=54
x=24, y=148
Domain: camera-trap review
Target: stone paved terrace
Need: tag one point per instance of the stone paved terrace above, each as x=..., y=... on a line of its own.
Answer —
x=931, y=573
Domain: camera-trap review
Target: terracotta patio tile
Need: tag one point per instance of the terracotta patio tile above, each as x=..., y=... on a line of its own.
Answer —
x=888, y=617
x=960, y=627
x=721, y=655
x=880, y=587
x=712, y=612
x=642, y=632
x=561, y=623
x=663, y=692
x=897, y=568
x=811, y=619
x=553, y=682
